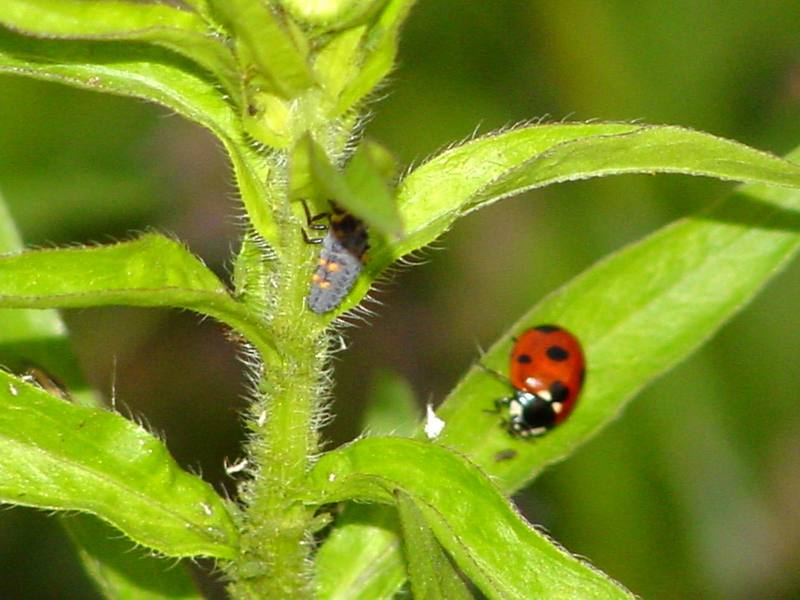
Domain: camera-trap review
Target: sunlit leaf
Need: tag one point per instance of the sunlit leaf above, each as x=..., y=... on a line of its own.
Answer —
x=152, y=74
x=378, y=55
x=59, y=456
x=472, y=520
x=336, y=63
x=490, y=168
x=431, y=574
x=38, y=338
x=485, y=170
x=361, y=558
x=152, y=271
x=181, y=31
x=637, y=313
x=277, y=54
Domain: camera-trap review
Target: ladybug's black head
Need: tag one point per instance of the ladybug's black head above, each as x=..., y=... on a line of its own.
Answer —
x=531, y=414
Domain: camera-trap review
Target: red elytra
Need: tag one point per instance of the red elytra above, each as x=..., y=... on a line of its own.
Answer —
x=547, y=368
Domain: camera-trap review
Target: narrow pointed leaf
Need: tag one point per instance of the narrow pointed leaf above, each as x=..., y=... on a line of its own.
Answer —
x=152, y=271
x=155, y=75
x=637, y=314
x=431, y=574
x=274, y=51
x=39, y=338
x=59, y=456
x=178, y=30
x=361, y=558
x=471, y=176
x=479, y=172
x=468, y=514
x=123, y=572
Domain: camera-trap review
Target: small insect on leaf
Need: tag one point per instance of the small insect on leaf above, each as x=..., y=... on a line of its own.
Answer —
x=341, y=258
x=547, y=369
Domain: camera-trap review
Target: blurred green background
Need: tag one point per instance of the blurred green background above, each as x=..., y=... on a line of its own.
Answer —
x=693, y=493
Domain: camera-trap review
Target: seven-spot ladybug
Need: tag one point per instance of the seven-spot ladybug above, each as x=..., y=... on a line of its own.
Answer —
x=340, y=259
x=547, y=369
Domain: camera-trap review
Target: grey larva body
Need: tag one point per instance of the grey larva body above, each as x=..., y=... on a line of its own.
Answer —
x=336, y=273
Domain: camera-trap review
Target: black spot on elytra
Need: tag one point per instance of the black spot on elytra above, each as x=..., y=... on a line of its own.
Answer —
x=557, y=353
x=558, y=391
x=547, y=328
x=524, y=359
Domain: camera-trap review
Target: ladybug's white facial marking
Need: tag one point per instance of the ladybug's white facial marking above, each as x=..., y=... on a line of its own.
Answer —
x=557, y=407
x=545, y=395
x=533, y=383
x=514, y=409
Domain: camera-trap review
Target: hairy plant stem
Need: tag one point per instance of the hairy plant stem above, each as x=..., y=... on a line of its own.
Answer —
x=275, y=544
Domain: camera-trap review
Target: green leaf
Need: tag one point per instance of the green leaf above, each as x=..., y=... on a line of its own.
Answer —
x=378, y=56
x=123, y=572
x=472, y=520
x=59, y=456
x=392, y=408
x=279, y=56
x=382, y=158
x=151, y=74
x=365, y=177
x=152, y=271
x=494, y=167
x=346, y=563
x=471, y=176
x=337, y=62
x=637, y=314
x=177, y=30
x=360, y=190
x=39, y=338
x=431, y=573
x=201, y=7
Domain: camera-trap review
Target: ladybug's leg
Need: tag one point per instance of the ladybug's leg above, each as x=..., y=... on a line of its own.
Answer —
x=502, y=403
x=499, y=404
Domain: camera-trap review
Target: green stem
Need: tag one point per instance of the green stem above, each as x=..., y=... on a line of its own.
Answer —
x=275, y=543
